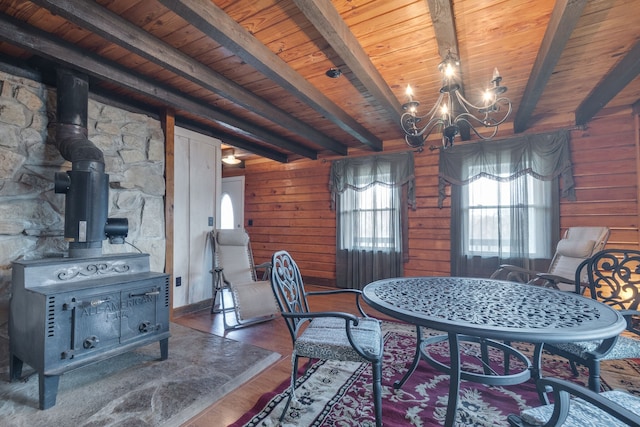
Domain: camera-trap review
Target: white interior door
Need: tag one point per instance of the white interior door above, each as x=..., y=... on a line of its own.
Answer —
x=196, y=208
x=232, y=202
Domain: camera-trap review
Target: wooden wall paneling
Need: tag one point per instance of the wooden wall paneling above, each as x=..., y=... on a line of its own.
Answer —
x=289, y=204
x=288, y=207
x=605, y=164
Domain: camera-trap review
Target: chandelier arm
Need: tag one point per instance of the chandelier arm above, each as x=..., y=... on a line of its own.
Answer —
x=487, y=118
x=470, y=104
x=475, y=121
x=425, y=130
x=434, y=109
x=473, y=128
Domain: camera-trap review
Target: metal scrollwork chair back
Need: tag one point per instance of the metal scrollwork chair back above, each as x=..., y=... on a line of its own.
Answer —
x=327, y=335
x=613, y=278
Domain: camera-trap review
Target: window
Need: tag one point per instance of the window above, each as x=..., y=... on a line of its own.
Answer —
x=371, y=195
x=227, y=219
x=499, y=213
x=505, y=205
x=370, y=218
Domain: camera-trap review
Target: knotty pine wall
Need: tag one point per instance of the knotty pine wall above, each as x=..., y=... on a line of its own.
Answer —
x=289, y=204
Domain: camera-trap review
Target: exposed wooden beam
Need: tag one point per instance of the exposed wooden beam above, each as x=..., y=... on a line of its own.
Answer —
x=231, y=140
x=215, y=23
x=564, y=17
x=444, y=26
x=136, y=106
x=110, y=26
x=59, y=51
x=620, y=76
x=326, y=19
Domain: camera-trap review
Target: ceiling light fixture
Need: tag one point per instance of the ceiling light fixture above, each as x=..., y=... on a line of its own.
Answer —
x=333, y=73
x=453, y=111
x=229, y=158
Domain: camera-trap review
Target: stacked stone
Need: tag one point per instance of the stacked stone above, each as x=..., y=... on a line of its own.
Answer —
x=32, y=214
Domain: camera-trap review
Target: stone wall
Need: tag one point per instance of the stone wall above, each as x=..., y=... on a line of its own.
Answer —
x=32, y=214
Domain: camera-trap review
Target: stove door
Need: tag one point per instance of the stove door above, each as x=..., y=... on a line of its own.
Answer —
x=96, y=322
x=140, y=311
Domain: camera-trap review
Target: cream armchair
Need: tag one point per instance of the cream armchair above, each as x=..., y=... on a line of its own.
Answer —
x=578, y=244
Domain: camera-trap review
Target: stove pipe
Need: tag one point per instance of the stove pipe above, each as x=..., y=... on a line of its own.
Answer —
x=86, y=185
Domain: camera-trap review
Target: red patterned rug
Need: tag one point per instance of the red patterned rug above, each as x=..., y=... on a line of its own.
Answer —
x=334, y=393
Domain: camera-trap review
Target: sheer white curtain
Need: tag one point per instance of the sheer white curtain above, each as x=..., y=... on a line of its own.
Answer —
x=505, y=201
x=371, y=194
x=511, y=221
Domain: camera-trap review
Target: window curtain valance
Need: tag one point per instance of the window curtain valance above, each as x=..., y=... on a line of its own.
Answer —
x=544, y=156
x=343, y=174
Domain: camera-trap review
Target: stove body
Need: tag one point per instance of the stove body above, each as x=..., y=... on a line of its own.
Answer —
x=70, y=312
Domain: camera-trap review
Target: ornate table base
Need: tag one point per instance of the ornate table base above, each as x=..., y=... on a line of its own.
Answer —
x=455, y=371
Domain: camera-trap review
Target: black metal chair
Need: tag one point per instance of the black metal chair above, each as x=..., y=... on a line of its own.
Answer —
x=613, y=278
x=325, y=335
x=610, y=408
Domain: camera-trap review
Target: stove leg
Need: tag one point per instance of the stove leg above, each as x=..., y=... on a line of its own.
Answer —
x=48, y=390
x=164, y=349
x=15, y=368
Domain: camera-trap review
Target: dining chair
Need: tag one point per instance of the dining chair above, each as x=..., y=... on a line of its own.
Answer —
x=577, y=244
x=235, y=272
x=587, y=408
x=325, y=335
x=613, y=277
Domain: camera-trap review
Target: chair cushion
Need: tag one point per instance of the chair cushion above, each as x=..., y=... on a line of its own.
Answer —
x=326, y=338
x=575, y=248
x=583, y=414
x=254, y=299
x=626, y=347
x=232, y=237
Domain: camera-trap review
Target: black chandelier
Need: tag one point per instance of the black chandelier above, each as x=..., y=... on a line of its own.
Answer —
x=452, y=111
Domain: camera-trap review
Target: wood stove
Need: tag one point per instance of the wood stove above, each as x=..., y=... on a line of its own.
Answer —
x=69, y=312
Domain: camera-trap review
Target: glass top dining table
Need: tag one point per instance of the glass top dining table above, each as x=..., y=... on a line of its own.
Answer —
x=470, y=309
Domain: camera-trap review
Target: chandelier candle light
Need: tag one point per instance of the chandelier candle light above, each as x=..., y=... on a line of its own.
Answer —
x=453, y=111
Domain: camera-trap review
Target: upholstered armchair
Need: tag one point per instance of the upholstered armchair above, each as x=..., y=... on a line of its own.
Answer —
x=578, y=244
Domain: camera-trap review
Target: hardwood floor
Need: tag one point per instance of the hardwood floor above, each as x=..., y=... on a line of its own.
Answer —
x=272, y=335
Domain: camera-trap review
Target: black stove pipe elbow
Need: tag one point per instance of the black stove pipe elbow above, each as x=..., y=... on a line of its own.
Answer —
x=86, y=185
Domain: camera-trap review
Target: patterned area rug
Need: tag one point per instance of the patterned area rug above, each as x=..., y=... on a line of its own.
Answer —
x=339, y=393
x=136, y=388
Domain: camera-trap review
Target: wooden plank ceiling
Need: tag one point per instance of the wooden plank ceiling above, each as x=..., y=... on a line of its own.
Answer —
x=252, y=72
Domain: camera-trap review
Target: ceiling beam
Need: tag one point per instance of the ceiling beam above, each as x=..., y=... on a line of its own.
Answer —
x=112, y=27
x=231, y=140
x=215, y=23
x=136, y=106
x=46, y=45
x=328, y=22
x=564, y=17
x=444, y=26
x=620, y=76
